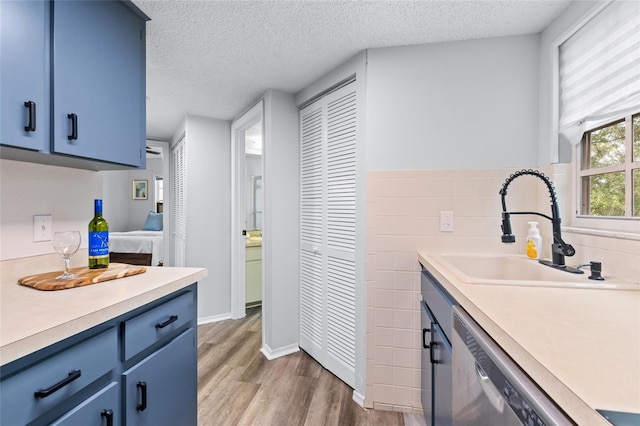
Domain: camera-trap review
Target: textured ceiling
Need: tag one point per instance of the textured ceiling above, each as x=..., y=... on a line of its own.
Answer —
x=214, y=58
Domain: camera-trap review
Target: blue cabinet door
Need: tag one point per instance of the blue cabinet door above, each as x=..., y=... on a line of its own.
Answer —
x=102, y=408
x=24, y=74
x=161, y=389
x=426, y=378
x=441, y=358
x=99, y=82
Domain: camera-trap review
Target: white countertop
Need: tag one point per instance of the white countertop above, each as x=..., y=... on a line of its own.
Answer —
x=32, y=319
x=581, y=346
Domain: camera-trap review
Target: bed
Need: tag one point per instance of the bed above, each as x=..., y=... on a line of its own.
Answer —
x=144, y=247
x=137, y=247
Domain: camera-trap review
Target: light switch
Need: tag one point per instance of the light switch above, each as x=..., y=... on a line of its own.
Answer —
x=42, y=227
x=446, y=221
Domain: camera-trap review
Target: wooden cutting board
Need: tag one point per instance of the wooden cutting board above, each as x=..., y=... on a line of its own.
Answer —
x=86, y=276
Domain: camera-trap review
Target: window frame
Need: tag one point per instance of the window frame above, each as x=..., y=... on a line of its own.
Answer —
x=627, y=223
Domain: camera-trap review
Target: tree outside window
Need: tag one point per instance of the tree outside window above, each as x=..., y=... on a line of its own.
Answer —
x=610, y=168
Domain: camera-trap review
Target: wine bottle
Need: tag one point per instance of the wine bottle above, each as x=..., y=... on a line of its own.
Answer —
x=98, y=239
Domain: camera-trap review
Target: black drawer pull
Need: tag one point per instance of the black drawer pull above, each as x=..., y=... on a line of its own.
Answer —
x=172, y=318
x=108, y=414
x=31, y=127
x=74, y=127
x=424, y=335
x=43, y=393
x=143, y=388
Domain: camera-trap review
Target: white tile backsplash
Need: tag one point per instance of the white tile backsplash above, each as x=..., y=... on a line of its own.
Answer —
x=403, y=210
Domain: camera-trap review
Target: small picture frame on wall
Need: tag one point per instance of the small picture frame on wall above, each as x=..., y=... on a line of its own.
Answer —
x=140, y=189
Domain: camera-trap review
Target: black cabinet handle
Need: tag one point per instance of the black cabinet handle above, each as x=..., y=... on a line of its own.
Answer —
x=424, y=335
x=43, y=393
x=143, y=388
x=74, y=127
x=108, y=414
x=31, y=127
x=431, y=357
x=172, y=318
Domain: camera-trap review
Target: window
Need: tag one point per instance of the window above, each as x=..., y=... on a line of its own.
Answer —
x=159, y=192
x=599, y=110
x=610, y=169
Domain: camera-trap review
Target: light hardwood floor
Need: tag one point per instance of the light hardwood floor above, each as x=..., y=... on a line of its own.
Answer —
x=238, y=386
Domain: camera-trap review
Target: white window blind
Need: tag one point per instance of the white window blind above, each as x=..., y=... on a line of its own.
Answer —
x=600, y=70
x=179, y=202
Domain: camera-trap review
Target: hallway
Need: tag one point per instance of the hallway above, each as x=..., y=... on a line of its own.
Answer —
x=238, y=386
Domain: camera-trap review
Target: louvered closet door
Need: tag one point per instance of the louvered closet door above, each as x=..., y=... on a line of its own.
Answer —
x=328, y=221
x=179, y=202
x=341, y=235
x=312, y=225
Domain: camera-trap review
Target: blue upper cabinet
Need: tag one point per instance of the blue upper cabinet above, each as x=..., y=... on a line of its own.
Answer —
x=98, y=80
x=24, y=74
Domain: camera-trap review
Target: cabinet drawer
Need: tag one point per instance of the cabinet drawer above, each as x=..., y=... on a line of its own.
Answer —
x=32, y=392
x=101, y=408
x=154, y=325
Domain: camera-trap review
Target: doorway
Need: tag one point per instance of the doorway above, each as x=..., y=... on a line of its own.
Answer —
x=253, y=207
x=247, y=134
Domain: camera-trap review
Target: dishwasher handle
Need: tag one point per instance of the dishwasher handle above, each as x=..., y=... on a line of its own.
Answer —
x=489, y=389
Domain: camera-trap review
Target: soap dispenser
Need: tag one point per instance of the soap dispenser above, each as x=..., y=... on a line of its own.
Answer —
x=534, y=241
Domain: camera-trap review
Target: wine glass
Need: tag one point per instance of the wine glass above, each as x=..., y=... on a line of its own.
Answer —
x=66, y=244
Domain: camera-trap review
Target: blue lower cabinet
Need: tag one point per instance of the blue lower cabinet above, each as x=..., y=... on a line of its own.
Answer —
x=442, y=378
x=426, y=394
x=53, y=381
x=86, y=380
x=436, y=356
x=100, y=409
x=162, y=388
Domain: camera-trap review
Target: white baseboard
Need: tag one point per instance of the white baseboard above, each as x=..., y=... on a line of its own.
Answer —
x=214, y=318
x=277, y=353
x=358, y=398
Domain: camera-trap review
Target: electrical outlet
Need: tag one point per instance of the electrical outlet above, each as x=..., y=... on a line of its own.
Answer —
x=446, y=221
x=42, y=227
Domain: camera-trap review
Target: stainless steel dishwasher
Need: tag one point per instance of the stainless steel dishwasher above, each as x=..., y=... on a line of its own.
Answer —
x=489, y=388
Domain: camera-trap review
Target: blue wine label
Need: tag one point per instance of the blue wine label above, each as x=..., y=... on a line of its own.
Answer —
x=98, y=244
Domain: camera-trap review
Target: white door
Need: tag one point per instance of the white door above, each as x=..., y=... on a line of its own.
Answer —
x=251, y=124
x=328, y=237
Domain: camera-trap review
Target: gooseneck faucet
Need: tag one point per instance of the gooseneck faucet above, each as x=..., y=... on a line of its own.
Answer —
x=559, y=249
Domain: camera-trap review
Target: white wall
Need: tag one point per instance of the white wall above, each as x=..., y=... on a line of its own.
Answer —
x=121, y=211
x=281, y=229
x=208, y=211
x=116, y=196
x=549, y=148
x=139, y=209
x=30, y=189
x=469, y=104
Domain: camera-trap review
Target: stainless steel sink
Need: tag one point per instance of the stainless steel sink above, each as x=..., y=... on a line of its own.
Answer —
x=502, y=269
